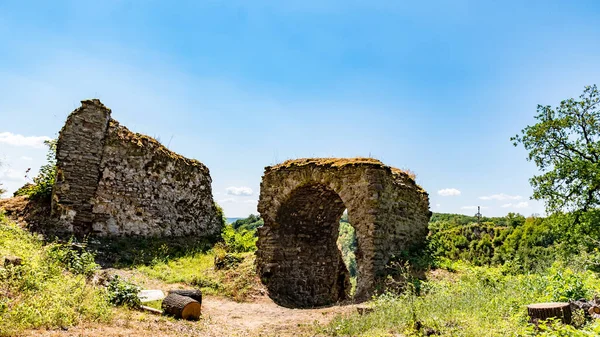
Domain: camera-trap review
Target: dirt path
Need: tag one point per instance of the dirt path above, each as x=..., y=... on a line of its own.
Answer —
x=220, y=317
x=265, y=318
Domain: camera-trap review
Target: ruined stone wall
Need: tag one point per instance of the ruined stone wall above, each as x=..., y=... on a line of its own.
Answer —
x=301, y=202
x=113, y=182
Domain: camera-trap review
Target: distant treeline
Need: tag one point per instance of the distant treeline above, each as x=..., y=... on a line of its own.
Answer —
x=519, y=242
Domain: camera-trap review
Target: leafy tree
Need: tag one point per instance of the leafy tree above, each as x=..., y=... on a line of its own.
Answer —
x=565, y=146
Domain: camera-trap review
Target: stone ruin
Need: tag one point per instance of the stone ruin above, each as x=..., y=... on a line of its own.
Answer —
x=113, y=182
x=301, y=202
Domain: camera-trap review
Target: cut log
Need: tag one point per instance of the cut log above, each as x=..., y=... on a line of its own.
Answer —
x=542, y=311
x=192, y=293
x=181, y=307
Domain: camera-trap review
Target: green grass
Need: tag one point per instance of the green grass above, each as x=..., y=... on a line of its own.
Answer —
x=476, y=301
x=42, y=293
x=198, y=270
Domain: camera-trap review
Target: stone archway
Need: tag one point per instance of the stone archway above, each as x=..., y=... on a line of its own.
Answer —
x=301, y=202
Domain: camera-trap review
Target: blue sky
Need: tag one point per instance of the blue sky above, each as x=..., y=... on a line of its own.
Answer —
x=436, y=87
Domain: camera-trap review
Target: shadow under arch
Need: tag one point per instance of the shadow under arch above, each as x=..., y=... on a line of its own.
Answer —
x=311, y=271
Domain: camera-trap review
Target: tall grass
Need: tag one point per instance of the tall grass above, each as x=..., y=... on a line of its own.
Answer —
x=476, y=301
x=42, y=292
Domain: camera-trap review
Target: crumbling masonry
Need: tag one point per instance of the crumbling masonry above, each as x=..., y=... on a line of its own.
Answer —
x=113, y=182
x=301, y=202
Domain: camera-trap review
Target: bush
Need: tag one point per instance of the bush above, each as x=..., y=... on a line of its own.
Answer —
x=121, y=292
x=238, y=241
x=74, y=258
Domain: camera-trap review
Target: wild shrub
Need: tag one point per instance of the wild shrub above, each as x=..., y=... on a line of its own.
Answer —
x=123, y=293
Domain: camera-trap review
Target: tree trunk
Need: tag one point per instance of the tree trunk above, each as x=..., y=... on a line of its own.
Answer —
x=543, y=311
x=192, y=293
x=181, y=307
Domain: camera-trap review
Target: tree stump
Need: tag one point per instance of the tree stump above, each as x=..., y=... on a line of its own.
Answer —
x=594, y=311
x=191, y=293
x=181, y=307
x=542, y=311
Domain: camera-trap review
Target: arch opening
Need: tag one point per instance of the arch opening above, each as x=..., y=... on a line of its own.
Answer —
x=311, y=267
x=348, y=246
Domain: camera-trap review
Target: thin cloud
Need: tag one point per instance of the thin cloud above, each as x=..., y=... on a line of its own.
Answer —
x=449, y=192
x=522, y=204
x=26, y=158
x=242, y=190
x=226, y=200
x=501, y=197
x=11, y=175
x=23, y=141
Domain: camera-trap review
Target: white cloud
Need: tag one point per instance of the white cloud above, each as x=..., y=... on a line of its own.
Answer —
x=473, y=207
x=522, y=204
x=20, y=140
x=242, y=190
x=26, y=158
x=447, y=192
x=501, y=197
x=437, y=205
x=226, y=200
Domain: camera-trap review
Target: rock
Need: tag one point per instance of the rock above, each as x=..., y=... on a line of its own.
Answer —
x=12, y=261
x=150, y=295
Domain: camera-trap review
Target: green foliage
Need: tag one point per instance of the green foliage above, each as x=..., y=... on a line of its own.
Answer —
x=238, y=241
x=565, y=146
x=44, y=181
x=250, y=223
x=41, y=292
x=519, y=243
x=347, y=244
x=121, y=292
